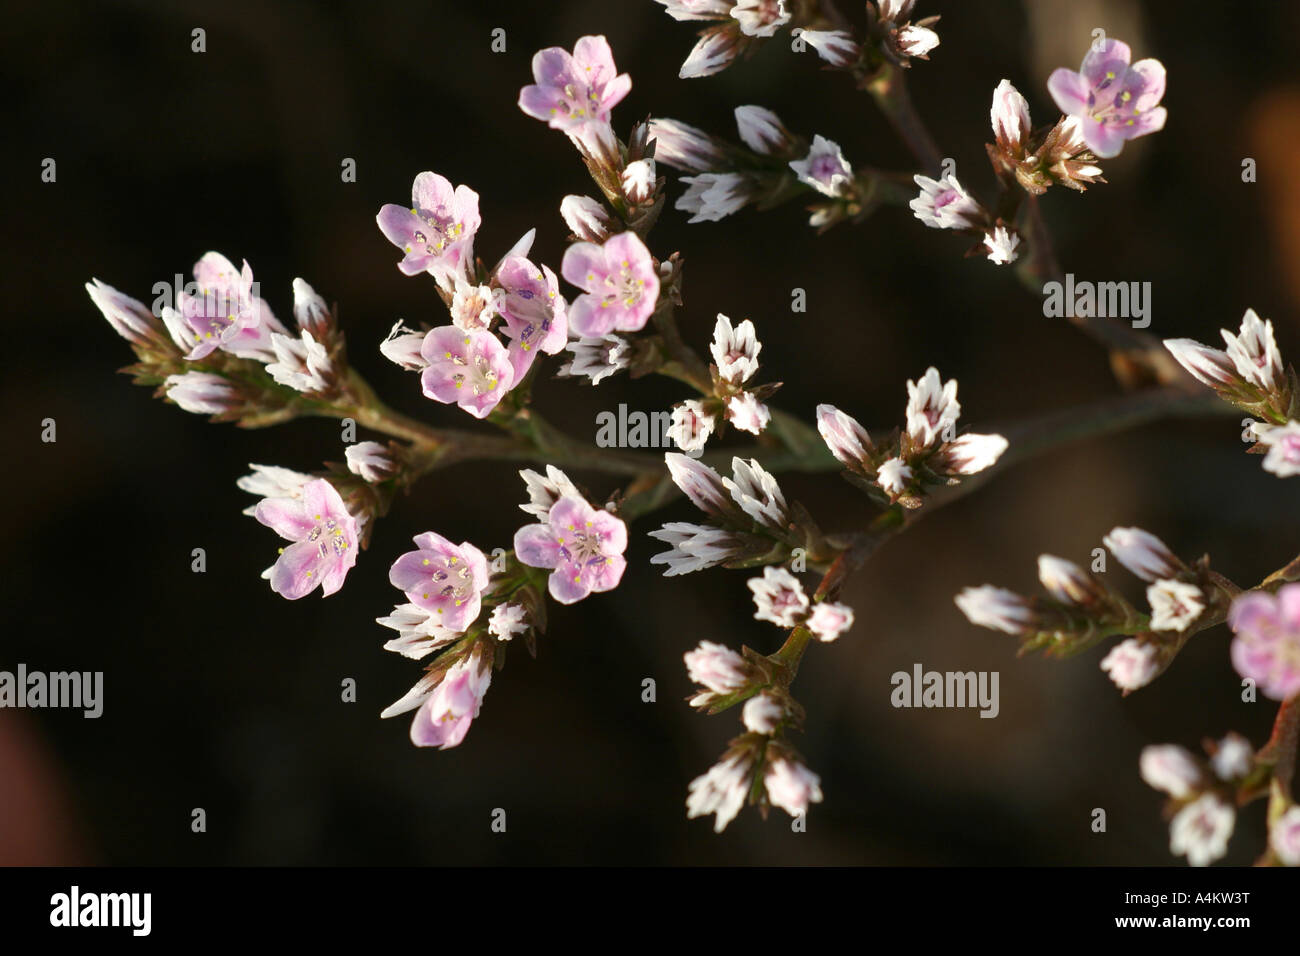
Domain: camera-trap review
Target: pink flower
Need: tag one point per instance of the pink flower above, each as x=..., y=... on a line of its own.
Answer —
x=945, y=204
x=824, y=168
x=1114, y=101
x=324, y=536
x=620, y=281
x=779, y=597
x=1143, y=554
x=437, y=231
x=443, y=578
x=717, y=668
x=444, y=718
x=1171, y=769
x=1267, y=646
x=227, y=313
x=760, y=18
x=792, y=786
x=932, y=408
x=845, y=437
x=203, y=393
x=997, y=609
x=583, y=545
x=691, y=426
x=735, y=350
x=535, y=313
x=1131, y=664
x=829, y=620
x=1284, y=837
x=1010, y=117
x=572, y=90
x=469, y=368
x=1283, y=444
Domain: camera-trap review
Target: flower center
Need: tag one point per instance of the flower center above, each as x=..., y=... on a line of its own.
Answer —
x=332, y=534
x=623, y=288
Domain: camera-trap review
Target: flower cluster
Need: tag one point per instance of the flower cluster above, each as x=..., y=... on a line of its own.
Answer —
x=1250, y=375
x=1081, y=610
x=772, y=166
x=758, y=767
x=1202, y=794
x=448, y=587
x=748, y=520
x=926, y=453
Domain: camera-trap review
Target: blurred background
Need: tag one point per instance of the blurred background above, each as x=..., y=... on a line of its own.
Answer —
x=220, y=695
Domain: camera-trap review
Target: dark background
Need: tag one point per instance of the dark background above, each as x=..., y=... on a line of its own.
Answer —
x=221, y=695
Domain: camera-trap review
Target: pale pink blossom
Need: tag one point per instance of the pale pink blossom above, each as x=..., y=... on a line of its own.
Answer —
x=1113, y=101
x=1142, y=553
x=507, y=620
x=445, y=579
x=572, y=90
x=466, y=367
x=1266, y=647
x=779, y=597
x=932, y=409
x=997, y=609
x=583, y=547
x=324, y=537
x=620, y=283
x=1174, y=605
x=436, y=232
x=824, y=168
x=762, y=714
x=1284, y=837
x=444, y=718
x=1283, y=444
x=721, y=791
x=945, y=204
x=1131, y=664
x=829, y=620
x=735, y=350
x=371, y=461
x=1171, y=769
x=791, y=786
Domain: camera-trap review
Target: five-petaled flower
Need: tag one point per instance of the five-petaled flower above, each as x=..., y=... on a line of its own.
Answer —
x=470, y=368
x=324, y=536
x=1267, y=646
x=436, y=232
x=445, y=579
x=583, y=545
x=620, y=283
x=1114, y=101
x=574, y=89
